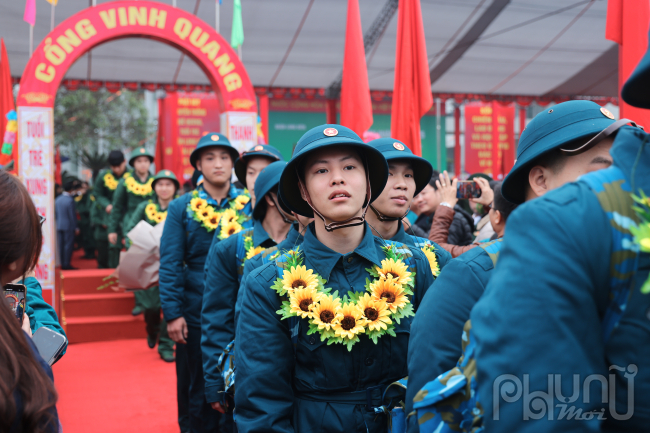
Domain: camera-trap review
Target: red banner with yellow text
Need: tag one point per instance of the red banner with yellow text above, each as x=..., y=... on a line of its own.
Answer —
x=489, y=139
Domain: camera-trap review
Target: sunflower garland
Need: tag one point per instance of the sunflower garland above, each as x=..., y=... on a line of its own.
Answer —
x=137, y=188
x=110, y=181
x=642, y=231
x=429, y=251
x=204, y=213
x=340, y=320
x=154, y=214
x=251, y=250
x=240, y=202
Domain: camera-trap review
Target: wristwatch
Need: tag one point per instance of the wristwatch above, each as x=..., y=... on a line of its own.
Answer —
x=444, y=203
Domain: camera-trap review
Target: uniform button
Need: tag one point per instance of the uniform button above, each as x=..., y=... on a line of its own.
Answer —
x=349, y=259
x=369, y=361
x=312, y=340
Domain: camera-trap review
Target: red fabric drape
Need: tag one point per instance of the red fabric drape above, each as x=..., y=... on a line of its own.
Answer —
x=160, y=148
x=356, y=105
x=6, y=95
x=412, y=88
x=627, y=25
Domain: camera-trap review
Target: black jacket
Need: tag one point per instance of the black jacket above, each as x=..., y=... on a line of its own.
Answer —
x=460, y=231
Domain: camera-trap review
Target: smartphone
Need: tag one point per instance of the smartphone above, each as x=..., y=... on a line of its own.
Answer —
x=468, y=189
x=49, y=343
x=15, y=294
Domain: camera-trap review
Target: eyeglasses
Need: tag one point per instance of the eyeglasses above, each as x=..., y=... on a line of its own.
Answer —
x=41, y=220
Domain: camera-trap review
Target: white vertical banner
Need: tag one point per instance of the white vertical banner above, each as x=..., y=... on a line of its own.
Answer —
x=241, y=128
x=36, y=170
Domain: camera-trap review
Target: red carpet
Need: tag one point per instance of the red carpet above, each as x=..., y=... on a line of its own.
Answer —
x=116, y=386
x=80, y=263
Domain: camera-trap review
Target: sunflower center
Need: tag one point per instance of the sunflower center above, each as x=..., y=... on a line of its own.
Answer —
x=304, y=304
x=389, y=297
x=326, y=316
x=392, y=274
x=348, y=323
x=298, y=283
x=231, y=231
x=371, y=313
x=213, y=220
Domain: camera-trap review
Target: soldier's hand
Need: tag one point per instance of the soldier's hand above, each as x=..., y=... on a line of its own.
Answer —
x=177, y=330
x=109, y=208
x=112, y=238
x=218, y=407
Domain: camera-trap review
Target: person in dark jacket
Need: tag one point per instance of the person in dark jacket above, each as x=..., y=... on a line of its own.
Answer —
x=66, y=224
x=428, y=201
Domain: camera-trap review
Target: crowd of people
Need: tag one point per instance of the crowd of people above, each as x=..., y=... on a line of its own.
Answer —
x=349, y=289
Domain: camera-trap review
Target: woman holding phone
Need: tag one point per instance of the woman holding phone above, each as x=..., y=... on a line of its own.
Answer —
x=27, y=394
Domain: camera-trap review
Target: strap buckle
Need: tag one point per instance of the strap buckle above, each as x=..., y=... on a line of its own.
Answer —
x=378, y=397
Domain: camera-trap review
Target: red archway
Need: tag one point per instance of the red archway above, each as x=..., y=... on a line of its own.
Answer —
x=86, y=30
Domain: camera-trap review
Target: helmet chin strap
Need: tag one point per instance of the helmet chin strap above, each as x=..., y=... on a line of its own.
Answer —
x=384, y=218
x=350, y=222
x=284, y=216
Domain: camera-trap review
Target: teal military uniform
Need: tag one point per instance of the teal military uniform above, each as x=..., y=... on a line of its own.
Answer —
x=184, y=248
x=102, y=196
x=543, y=310
x=40, y=313
x=84, y=204
x=224, y=268
x=445, y=309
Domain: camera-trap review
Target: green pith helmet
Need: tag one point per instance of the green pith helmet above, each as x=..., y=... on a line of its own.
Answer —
x=165, y=174
x=139, y=151
x=213, y=139
x=319, y=138
x=393, y=149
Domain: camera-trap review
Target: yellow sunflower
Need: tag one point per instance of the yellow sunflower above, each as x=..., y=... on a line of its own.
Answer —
x=253, y=252
x=396, y=270
x=433, y=262
x=375, y=312
x=151, y=209
x=327, y=312
x=204, y=213
x=241, y=201
x=299, y=277
x=303, y=301
x=351, y=322
x=160, y=217
x=230, y=228
x=389, y=291
x=229, y=215
x=197, y=203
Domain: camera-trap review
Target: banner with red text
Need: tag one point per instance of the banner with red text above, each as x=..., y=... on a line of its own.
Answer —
x=489, y=139
x=35, y=170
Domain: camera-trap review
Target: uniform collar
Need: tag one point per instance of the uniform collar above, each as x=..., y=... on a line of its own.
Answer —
x=260, y=235
x=322, y=259
x=137, y=179
x=401, y=235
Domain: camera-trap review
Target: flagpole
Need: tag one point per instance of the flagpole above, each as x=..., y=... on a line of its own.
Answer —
x=239, y=53
x=216, y=16
x=31, y=40
x=52, y=16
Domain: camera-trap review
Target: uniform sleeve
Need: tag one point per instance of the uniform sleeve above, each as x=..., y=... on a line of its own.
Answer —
x=40, y=313
x=540, y=313
x=119, y=207
x=172, y=252
x=442, y=255
x=101, y=196
x=135, y=218
x=265, y=359
x=218, y=311
x=249, y=266
x=435, y=343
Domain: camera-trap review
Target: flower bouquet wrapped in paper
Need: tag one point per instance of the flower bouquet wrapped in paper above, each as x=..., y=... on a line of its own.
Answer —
x=138, y=269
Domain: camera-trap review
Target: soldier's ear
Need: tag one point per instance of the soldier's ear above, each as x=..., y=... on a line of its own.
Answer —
x=538, y=180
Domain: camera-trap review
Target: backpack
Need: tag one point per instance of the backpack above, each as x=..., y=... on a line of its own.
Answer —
x=450, y=403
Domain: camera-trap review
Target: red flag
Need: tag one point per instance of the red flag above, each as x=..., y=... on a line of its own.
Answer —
x=57, y=166
x=356, y=106
x=627, y=25
x=412, y=89
x=30, y=12
x=6, y=95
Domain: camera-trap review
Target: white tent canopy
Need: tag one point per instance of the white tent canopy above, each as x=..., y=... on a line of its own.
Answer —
x=525, y=47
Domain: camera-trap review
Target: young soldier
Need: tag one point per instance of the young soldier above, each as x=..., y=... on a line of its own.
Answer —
x=288, y=377
x=407, y=176
x=192, y=221
x=154, y=211
x=84, y=205
x=249, y=165
x=583, y=324
x=545, y=160
x=223, y=272
x=105, y=186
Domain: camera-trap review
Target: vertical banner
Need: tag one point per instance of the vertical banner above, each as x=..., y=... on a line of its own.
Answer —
x=241, y=129
x=36, y=170
x=489, y=139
